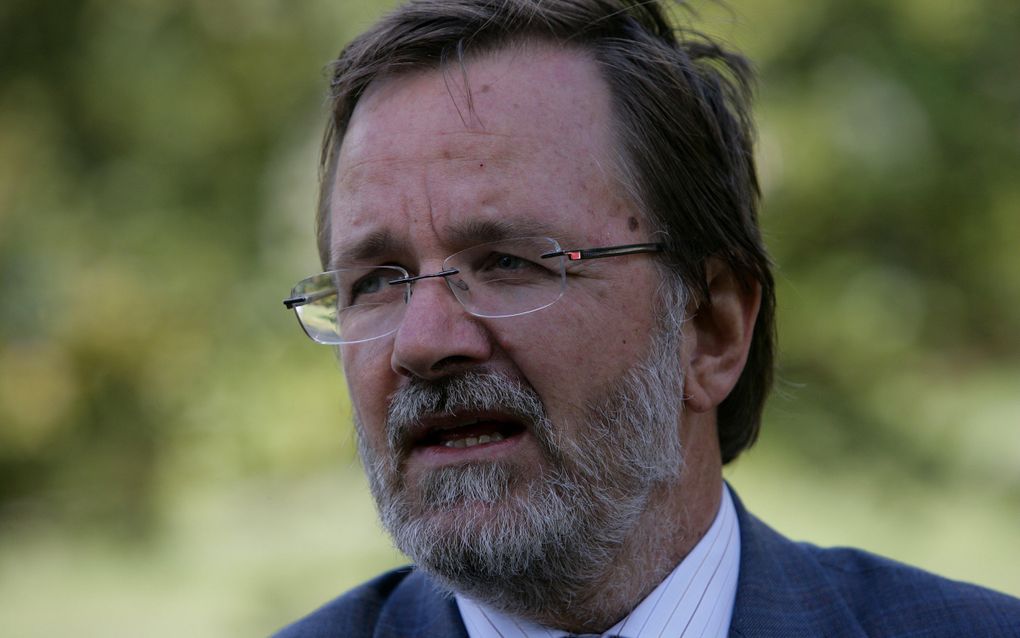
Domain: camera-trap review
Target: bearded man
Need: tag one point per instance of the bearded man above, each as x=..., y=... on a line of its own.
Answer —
x=545, y=276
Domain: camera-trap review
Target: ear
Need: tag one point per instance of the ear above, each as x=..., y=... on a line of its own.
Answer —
x=719, y=336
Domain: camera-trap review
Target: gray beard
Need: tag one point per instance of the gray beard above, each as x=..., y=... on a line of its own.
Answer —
x=522, y=543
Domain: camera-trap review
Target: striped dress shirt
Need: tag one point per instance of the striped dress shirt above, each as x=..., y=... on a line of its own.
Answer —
x=694, y=601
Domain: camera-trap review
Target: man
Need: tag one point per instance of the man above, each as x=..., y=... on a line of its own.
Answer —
x=555, y=314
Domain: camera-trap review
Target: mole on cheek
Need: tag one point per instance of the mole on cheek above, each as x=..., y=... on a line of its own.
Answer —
x=633, y=224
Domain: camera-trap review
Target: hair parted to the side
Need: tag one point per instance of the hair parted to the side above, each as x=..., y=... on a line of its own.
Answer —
x=681, y=105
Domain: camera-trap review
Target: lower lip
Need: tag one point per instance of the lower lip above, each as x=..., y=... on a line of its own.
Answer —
x=436, y=455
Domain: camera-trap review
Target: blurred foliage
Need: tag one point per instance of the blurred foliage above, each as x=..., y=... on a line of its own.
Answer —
x=890, y=149
x=157, y=183
x=159, y=173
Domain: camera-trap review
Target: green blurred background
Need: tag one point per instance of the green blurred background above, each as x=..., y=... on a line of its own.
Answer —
x=177, y=459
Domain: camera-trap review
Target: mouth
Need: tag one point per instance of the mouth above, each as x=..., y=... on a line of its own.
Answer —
x=474, y=432
x=465, y=435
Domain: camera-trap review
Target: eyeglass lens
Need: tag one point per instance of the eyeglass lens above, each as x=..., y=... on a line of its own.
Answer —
x=496, y=279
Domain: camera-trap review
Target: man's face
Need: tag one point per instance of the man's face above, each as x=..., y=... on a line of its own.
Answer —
x=516, y=404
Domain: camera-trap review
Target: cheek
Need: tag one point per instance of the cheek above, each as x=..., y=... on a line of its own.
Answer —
x=577, y=351
x=368, y=383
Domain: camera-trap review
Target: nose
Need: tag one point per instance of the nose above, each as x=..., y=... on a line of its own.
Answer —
x=437, y=336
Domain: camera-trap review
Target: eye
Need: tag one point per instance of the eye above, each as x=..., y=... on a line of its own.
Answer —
x=508, y=269
x=504, y=261
x=510, y=262
x=375, y=284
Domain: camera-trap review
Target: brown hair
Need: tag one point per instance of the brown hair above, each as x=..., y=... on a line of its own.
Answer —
x=681, y=104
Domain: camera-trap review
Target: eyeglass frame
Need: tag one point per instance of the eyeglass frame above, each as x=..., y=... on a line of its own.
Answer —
x=577, y=254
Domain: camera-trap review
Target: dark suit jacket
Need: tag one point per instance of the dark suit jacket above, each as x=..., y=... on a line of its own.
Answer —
x=785, y=590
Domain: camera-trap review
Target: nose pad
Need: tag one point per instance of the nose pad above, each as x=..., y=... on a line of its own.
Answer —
x=437, y=302
x=457, y=282
x=461, y=291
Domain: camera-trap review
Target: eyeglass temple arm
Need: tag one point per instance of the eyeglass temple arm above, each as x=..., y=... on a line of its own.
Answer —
x=607, y=251
x=301, y=300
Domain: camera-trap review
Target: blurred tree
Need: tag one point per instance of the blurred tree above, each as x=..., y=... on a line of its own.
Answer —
x=140, y=244
x=895, y=136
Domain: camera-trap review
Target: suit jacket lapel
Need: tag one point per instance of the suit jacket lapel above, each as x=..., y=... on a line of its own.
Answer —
x=418, y=607
x=782, y=590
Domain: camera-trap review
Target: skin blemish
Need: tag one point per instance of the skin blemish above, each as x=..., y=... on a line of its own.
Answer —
x=482, y=165
x=633, y=224
x=485, y=88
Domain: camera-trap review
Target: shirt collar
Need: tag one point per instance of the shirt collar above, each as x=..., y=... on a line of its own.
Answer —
x=694, y=600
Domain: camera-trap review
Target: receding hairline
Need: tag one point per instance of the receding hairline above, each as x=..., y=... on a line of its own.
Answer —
x=455, y=73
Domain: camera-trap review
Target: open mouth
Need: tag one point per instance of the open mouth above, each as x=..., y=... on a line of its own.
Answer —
x=469, y=433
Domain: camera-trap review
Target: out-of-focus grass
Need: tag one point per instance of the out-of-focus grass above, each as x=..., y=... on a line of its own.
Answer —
x=237, y=561
x=244, y=560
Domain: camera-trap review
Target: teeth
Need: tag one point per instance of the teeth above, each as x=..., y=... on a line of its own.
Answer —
x=472, y=441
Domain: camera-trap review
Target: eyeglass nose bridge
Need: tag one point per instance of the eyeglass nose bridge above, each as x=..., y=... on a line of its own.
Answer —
x=409, y=279
x=459, y=284
x=446, y=274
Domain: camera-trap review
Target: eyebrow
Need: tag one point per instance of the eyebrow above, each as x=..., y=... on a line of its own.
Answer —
x=469, y=232
x=380, y=242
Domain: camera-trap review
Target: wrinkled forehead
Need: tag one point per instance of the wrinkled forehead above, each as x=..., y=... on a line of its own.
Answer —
x=357, y=248
x=481, y=151
x=488, y=92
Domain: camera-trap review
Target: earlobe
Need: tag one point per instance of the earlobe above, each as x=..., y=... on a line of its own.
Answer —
x=719, y=336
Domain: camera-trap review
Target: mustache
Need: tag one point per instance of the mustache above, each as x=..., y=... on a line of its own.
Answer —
x=470, y=391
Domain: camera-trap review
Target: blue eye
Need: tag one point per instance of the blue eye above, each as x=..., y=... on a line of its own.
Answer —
x=371, y=284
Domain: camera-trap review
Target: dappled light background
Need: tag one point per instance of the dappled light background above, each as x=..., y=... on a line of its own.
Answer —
x=176, y=458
